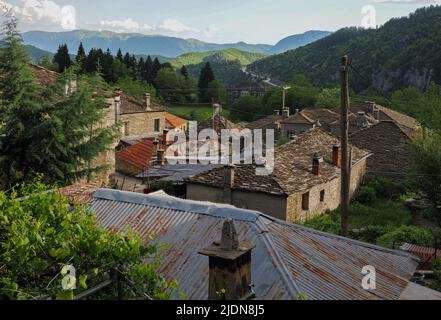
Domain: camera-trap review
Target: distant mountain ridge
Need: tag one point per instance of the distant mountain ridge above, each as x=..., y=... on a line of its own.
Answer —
x=404, y=52
x=298, y=40
x=140, y=44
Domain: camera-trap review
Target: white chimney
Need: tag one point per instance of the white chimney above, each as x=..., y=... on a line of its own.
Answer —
x=147, y=102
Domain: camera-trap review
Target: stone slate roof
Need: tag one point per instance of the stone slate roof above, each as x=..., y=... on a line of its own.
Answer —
x=389, y=146
x=44, y=76
x=220, y=123
x=131, y=105
x=292, y=170
x=265, y=123
x=310, y=116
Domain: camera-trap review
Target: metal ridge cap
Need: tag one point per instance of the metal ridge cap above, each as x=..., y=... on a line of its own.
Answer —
x=169, y=202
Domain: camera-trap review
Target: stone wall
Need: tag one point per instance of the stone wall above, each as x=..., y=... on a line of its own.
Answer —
x=331, y=201
x=143, y=123
x=271, y=205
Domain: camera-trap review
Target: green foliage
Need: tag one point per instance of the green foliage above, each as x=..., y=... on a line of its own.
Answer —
x=136, y=88
x=381, y=56
x=247, y=108
x=329, y=98
x=216, y=92
x=301, y=95
x=367, y=196
x=325, y=223
x=205, y=78
x=47, y=62
x=41, y=234
x=43, y=130
x=386, y=188
x=436, y=267
x=231, y=54
x=173, y=87
x=426, y=160
x=382, y=213
x=62, y=58
x=407, y=234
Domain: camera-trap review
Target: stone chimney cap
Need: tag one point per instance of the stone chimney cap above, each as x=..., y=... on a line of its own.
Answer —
x=229, y=240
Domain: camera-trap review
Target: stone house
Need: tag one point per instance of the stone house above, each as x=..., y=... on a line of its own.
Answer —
x=326, y=119
x=306, y=180
x=250, y=88
x=389, y=143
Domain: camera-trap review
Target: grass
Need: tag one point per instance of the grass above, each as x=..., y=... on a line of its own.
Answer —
x=194, y=113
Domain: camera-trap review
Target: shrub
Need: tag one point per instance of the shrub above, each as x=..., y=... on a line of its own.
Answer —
x=407, y=234
x=367, y=195
x=370, y=234
x=386, y=188
x=324, y=223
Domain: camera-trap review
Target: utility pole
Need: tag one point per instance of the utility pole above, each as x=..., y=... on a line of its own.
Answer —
x=345, y=157
x=284, y=97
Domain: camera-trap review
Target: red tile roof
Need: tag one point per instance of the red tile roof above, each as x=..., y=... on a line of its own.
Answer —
x=174, y=121
x=138, y=155
x=425, y=254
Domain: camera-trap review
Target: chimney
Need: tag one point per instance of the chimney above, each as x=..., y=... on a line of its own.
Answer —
x=155, y=148
x=316, y=164
x=229, y=172
x=117, y=105
x=285, y=113
x=164, y=137
x=161, y=157
x=297, y=111
x=336, y=155
x=147, y=102
x=277, y=112
x=229, y=266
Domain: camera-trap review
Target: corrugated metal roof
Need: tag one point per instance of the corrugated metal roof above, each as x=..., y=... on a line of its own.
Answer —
x=288, y=259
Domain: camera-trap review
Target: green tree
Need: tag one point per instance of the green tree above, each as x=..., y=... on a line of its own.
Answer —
x=119, y=55
x=247, y=108
x=426, y=160
x=81, y=54
x=205, y=78
x=216, y=92
x=41, y=233
x=184, y=72
x=42, y=130
x=170, y=85
x=62, y=58
x=47, y=62
x=329, y=99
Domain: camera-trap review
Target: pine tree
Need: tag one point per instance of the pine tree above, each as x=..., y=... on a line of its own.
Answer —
x=205, y=78
x=81, y=54
x=184, y=72
x=155, y=69
x=149, y=70
x=42, y=131
x=119, y=55
x=62, y=58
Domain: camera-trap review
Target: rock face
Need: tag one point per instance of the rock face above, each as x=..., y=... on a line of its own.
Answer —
x=392, y=79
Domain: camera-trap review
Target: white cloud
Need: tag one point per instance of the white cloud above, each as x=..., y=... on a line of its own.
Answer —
x=45, y=14
x=168, y=27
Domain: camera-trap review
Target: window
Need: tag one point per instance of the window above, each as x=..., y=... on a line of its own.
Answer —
x=305, y=201
x=322, y=196
x=126, y=129
x=157, y=125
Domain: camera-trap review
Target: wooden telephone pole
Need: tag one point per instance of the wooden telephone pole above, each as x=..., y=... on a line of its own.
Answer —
x=345, y=157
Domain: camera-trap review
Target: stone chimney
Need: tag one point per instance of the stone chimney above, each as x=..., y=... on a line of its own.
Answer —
x=229, y=266
x=117, y=105
x=155, y=148
x=277, y=112
x=336, y=155
x=297, y=111
x=285, y=113
x=316, y=164
x=229, y=172
x=147, y=102
x=164, y=138
x=160, y=157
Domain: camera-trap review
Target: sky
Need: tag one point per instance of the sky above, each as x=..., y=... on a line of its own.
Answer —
x=218, y=21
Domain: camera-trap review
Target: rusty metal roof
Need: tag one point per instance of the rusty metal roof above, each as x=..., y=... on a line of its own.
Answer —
x=288, y=259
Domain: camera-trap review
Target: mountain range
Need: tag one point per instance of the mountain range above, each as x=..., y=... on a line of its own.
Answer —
x=155, y=45
x=404, y=52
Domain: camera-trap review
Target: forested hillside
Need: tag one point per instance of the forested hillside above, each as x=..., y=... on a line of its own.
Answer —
x=404, y=52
